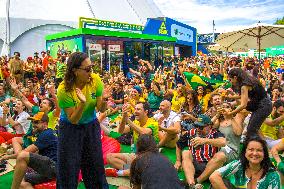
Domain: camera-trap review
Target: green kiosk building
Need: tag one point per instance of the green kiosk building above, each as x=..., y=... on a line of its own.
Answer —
x=112, y=44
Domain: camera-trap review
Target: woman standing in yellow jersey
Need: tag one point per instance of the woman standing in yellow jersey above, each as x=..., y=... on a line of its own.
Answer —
x=79, y=138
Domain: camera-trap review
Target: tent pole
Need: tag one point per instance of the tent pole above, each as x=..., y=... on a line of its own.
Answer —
x=8, y=32
x=258, y=40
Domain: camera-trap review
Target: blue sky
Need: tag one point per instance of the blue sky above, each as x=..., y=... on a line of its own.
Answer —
x=228, y=14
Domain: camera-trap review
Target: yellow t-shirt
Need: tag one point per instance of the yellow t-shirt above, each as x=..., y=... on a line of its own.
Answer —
x=203, y=101
x=152, y=124
x=271, y=131
x=69, y=99
x=177, y=102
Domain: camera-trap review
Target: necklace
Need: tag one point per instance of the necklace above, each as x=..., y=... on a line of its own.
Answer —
x=250, y=178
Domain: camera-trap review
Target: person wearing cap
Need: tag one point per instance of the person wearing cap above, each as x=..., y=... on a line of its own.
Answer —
x=43, y=163
x=204, y=142
x=135, y=97
x=231, y=127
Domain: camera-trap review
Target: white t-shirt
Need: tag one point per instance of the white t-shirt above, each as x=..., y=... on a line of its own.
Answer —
x=173, y=118
x=22, y=118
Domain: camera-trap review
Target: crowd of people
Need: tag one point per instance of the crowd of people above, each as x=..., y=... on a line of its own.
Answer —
x=55, y=109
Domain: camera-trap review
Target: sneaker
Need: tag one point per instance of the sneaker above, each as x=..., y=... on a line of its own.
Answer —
x=111, y=172
x=3, y=164
x=198, y=186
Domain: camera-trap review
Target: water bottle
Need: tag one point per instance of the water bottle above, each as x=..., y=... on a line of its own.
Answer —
x=132, y=147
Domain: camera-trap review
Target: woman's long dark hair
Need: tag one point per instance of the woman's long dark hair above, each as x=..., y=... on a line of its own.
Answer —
x=74, y=61
x=195, y=99
x=265, y=164
x=145, y=146
x=157, y=85
x=243, y=78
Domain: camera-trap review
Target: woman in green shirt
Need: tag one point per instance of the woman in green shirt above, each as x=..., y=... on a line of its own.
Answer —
x=155, y=97
x=79, y=133
x=254, y=170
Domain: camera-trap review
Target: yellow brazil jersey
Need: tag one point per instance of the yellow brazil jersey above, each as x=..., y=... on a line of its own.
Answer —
x=177, y=102
x=152, y=124
x=68, y=99
x=271, y=131
x=203, y=101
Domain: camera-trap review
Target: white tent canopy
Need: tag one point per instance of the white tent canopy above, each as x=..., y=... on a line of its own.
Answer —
x=258, y=36
x=31, y=20
x=218, y=47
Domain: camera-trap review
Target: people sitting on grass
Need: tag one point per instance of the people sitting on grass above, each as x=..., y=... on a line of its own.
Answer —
x=150, y=169
x=231, y=128
x=190, y=112
x=204, y=143
x=18, y=122
x=169, y=125
x=143, y=124
x=40, y=157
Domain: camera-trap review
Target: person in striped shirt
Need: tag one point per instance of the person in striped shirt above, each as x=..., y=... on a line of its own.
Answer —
x=204, y=143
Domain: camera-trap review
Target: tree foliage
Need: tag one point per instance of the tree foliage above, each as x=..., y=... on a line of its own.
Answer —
x=279, y=21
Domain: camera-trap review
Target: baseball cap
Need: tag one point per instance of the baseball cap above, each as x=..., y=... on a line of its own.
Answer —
x=138, y=89
x=202, y=120
x=40, y=116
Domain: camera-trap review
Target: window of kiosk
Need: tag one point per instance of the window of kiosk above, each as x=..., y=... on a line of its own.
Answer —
x=114, y=56
x=96, y=52
x=137, y=48
x=147, y=51
x=153, y=53
x=128, y=50
x=168, y=51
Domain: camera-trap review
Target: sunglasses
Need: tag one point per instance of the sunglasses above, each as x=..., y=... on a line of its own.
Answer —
x=87, y=69
x=35, y=122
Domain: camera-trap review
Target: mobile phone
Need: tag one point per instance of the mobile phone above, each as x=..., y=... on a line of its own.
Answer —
x=184, y=113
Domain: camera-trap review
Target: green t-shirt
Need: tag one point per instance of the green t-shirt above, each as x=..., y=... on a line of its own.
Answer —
x=234, y=171
x=69, y=99
x=152, y=124
x=154, y=100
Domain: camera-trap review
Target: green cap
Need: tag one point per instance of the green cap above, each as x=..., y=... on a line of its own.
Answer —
x=203, y=120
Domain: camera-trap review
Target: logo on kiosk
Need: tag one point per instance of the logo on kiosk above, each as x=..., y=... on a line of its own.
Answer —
x=163, y=30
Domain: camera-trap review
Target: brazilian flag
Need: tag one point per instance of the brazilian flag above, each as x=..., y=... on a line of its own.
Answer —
x=196, y=80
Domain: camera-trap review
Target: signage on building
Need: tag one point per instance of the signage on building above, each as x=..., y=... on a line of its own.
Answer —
x=96, y=47
x=186, y=35
x=91, y=22
x=115, y=48
x=182, y=33
x=163, y=30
